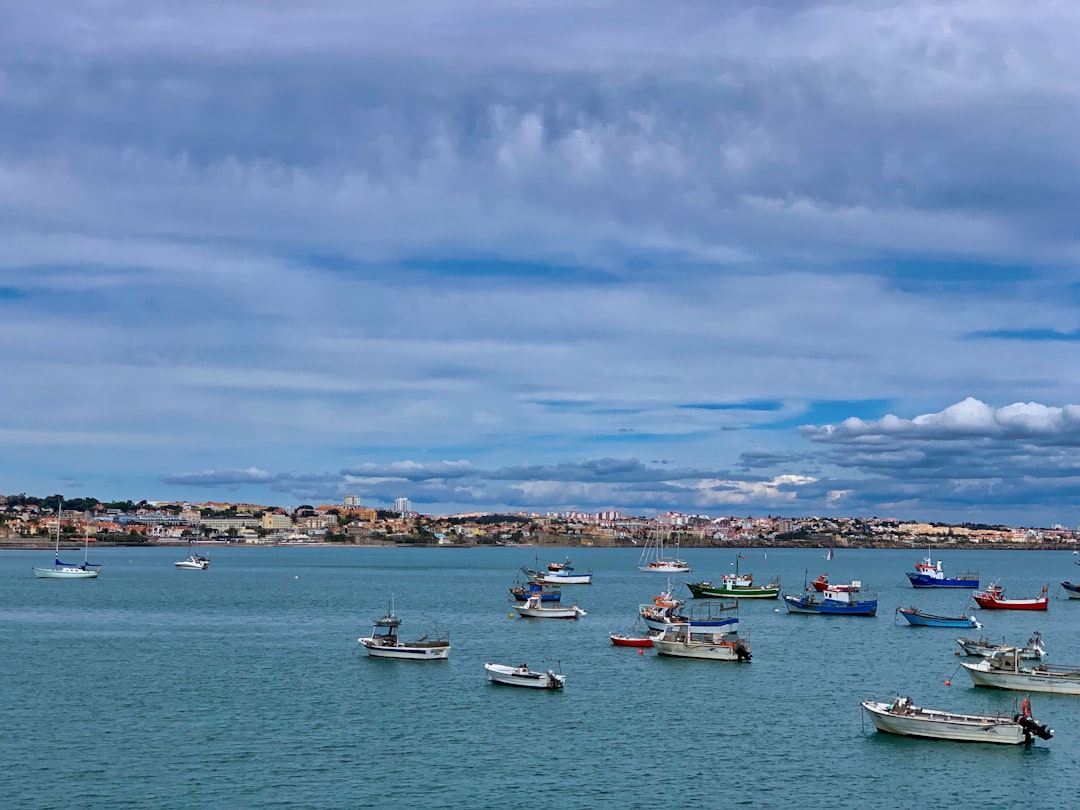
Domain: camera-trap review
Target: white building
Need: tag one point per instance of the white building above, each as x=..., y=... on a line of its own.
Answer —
x=403, y=506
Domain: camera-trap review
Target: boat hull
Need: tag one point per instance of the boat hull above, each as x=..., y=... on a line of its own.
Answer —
x=1072, y=590
x=990, y=603
x=566, y=579
x=723, y=625
x=924, y=581
x=936, y=725
x=706, y=590
x=982, y=674
x=66, y=573
x=828, y=607
x=706, y=650
x=620, y=640
x=523, y=677
x=430, y=651
x=669, y=567
x=919, y=619
x=572, y=612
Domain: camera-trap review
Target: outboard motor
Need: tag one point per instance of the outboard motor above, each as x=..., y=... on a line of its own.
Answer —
x=742, y=652
x=1030, y=725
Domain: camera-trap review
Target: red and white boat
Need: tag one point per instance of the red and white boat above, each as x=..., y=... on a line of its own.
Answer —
x=822, y=584
x=994, y=598
x=629, y=640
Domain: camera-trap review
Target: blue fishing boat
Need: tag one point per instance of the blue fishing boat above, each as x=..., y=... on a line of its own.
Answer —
x=920, y=619
x=547, y=593
x=929, y=575
x=1072, y=590
x=831, y=602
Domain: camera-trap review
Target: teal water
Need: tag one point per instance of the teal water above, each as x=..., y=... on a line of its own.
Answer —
x=241, y=687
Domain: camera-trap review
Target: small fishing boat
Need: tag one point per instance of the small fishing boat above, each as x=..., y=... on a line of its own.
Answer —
x=822, y=584
x=630, y=640
x=63, y=570
x=556, y=566
x=922, y=619
x=523, y=676
x=1003, y=669
x=738, y=586
x=533, y=608
x=547, y=593
x=384, y=642
x=902, y=717
x=685, y=641
x=564, y=575
x=653, y=559
x=993, y=598
x=706, y=617
x=928, y=575
x=830, y=603
x=1032, y=651
x=1071, y=589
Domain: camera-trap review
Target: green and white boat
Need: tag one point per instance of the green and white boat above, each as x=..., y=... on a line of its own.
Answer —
x=737, y=585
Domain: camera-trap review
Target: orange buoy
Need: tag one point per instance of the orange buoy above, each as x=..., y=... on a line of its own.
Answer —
x=640, y=652
x=948, y=683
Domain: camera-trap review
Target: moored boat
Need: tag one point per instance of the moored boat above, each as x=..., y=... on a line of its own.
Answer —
x=738, y=586
x=993, y=598
x=384, y=642
x=653, y=559
x=523, y=676
x=929, y=575
x=630, y=640
x=822, y=584
x=902, y=717
x=533, y=608
x=1003, y=669
x=1072, y=590
x=547, y=593
x=920, y=618
x=194, y=561
x=682, y=640
x=1032, y=651
x=63, y=570
x=706, y=617
x=830, y=603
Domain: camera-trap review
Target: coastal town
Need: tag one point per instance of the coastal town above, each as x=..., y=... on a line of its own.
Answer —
x=27, y=521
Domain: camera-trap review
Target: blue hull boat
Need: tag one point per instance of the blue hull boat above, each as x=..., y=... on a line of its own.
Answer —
x=521, y=593
x=810, y=603
x=920, y=619
x=929, y=575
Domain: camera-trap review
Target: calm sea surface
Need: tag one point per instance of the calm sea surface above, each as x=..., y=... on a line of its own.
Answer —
x=241, y=686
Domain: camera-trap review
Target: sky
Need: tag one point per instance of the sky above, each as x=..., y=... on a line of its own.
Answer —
x=756, y=258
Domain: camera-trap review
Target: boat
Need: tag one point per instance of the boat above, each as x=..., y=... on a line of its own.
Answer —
x=533, y=608
x=1032, y=651
x=385, y=643
x=547, y=593
x=1003, y=669
x=523, y=676
x=822, y=584
x=63, y=570
x=929, y=575
x=1071, y=589
x=556, y=566
x=630, y=640
x=831, y=603
x=653, y=559
x=903, y=717
x=739, y=586
x=683, y=640
x=565, y=575
x=831, y=555
x=921, y=619
x=194, y=562
x=993, y=598
x=710, y=616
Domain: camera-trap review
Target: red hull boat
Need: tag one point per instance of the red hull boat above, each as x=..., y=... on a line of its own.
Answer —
x=623, y=640
x=822, y=584
x=994, y=598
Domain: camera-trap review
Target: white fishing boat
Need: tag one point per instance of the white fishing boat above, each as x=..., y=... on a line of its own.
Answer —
x=685, y=641
x=653, y=559
x=1032, y=651
x=194, y=562
x=1003, y=669
x=534, y=608
x=523, y=676
x=385, y=643
x=902, y=717
x=62, y=570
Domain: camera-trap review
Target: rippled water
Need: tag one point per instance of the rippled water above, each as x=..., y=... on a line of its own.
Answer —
x=241, y=687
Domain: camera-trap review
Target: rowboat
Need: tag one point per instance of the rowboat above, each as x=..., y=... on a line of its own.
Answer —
x=983, y=647
x=630, y=640
x=523, y=676
x=994, y=598
x=1003, y=670
x=902, y=717
x=920, y=619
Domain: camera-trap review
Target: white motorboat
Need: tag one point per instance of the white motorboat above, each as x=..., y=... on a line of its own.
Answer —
x=902, y=717
x=194, y=562
x=523, y=676
x=62, y=570
x=534, y=608
x=384, y=642
x=684, y=641
x=983, y=647
x=1003, y=669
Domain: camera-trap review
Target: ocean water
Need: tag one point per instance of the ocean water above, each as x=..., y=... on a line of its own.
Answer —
x=243, y=686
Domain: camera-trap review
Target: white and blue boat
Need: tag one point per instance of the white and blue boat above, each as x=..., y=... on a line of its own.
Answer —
x=831, y=603
x=704, y=617
x=385, y=643
x=919, y=618
x=547, y=593
x=1072, y=589
x=929, y=575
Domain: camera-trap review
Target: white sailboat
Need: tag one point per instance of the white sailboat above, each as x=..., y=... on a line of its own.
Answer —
x=653, y=559
x=830, y=555
x=62, y=570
